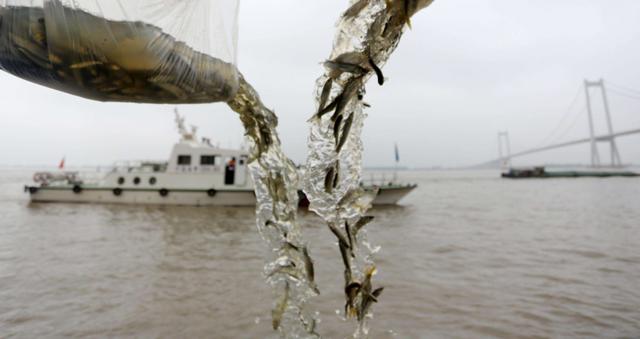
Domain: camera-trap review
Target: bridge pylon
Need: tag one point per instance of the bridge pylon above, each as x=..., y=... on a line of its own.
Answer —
x=595, y=156
x=504, y=149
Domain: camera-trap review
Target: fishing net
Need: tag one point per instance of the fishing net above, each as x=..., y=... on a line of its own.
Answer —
x=147, y=51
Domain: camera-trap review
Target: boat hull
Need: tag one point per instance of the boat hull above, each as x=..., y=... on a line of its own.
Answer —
x=143, y=197
x=389, y=195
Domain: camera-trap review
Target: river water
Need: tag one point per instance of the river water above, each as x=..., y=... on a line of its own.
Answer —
x=466, y=255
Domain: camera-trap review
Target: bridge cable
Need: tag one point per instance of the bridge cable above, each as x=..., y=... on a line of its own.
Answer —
x=630, y=96
x=566, y=115
x=625, y=88
x=572, y=124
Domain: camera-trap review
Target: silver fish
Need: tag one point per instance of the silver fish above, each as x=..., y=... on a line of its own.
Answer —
x=310, y=270
x=326, y=91
x=278, y=311
x=355, y=9
x=345, y=132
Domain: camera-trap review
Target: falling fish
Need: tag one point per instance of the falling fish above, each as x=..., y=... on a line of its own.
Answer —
x=350, y=89
x=347, y=228
x=361, y=223
x=351, y=291
x=329, y=179
x=377, y=70
x=336, y=128
x=366, y=291
x=278, y=311
x=324, y=96
x=345, y=132
x=355, y=9
x=310, y=270
x=342, y=240
x=367, y=300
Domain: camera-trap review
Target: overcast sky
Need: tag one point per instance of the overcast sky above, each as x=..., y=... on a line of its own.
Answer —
x=466, y=70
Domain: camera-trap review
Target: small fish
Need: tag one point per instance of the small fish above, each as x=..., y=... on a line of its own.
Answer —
x=351, y=291
x=349, y=235
x=346, y=260
x=345, y=132
x=355, y=9
x=278, y=311
x=367, y=300
x=337, y=68
x=329, y=179
x=366, y=292
x=377, y=70
x=86, y=64
x=310, y=270
x=326, y=91
x=361, y=223
x=350, y=89
x=336, y=128
x=289, y=246
x=336, y=178
x=342, y=240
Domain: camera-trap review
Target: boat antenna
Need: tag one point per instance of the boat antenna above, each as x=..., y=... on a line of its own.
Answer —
x=395, y=170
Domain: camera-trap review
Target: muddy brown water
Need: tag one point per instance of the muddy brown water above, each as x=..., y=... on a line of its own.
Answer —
x=467, y=255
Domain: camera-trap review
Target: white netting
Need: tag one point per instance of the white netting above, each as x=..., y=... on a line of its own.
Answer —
x=158, y=51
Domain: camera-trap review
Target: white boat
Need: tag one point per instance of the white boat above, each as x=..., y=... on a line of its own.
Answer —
x=197, y=173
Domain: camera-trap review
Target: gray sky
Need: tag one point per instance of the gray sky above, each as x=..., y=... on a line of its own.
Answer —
x=467, y=69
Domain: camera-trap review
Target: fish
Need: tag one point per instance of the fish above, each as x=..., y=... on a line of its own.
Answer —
x=85, y=64
x=324, y=96
x=342, y=240
x=346, y=260
x=351, y=291
x=361, y=223
x=345, y=133
x=281, y=306
x=332, y=106
x=366, y=292
x=336, y=178
x=329, y=179
x=348, y=92
x=308, y=262
x=289, y=246
x=367, y=300
x=336, y=128
x=349, y=235
x=337, y=68
x=355, y=9
x=378, y=71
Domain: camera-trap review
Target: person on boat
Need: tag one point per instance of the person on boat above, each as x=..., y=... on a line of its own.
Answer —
x=230, y=172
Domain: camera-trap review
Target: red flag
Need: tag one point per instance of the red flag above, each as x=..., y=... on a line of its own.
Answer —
x=61, y=166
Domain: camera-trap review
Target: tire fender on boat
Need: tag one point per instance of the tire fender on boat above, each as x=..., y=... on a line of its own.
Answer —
x=212, y=192
x=163, y=192
x=77, y=189
x=117, y=192
x=33, y=190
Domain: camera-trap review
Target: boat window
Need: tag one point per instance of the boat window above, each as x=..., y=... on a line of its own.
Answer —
x=152, y=181
x=184, y=160
x=136, y=181
x=208, y=160
x=121, y=181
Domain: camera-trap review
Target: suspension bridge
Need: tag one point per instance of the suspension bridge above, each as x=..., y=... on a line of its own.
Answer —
x=504, y=145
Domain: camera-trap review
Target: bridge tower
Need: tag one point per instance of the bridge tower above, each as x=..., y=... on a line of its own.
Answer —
x=595, y=156
x=504, y=150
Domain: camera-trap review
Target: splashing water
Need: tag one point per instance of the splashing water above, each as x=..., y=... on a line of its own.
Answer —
x=289, y=269
x=368, y=32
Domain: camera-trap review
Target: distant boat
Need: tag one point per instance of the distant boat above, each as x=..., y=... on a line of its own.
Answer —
x=197, y=173
x=541, y=172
